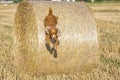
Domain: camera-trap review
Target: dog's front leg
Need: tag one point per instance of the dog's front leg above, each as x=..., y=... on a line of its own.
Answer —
x=56, y=44
x=48, y=41
x=51, y=44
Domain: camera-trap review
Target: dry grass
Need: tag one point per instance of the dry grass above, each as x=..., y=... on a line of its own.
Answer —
x=109, y=51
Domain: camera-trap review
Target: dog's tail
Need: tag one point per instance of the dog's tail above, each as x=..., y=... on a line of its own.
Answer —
x=50, y=11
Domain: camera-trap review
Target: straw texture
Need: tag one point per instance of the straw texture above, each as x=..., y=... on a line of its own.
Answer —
x=78, y=41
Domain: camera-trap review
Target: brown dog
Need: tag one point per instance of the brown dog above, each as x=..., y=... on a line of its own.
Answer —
x=51, y=32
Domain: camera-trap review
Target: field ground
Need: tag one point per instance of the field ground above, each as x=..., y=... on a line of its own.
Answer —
x=107, y=18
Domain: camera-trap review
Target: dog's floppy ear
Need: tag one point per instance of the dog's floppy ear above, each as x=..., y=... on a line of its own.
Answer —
x=47, y=30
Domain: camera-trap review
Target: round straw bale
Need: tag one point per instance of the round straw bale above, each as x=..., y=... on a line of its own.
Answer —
x=26, y=37
x=78, y=41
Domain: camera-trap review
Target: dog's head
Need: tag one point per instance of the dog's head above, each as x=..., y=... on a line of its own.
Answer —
x=53, y=32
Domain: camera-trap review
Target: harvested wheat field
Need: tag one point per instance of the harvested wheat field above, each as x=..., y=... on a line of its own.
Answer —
x=108, y=32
